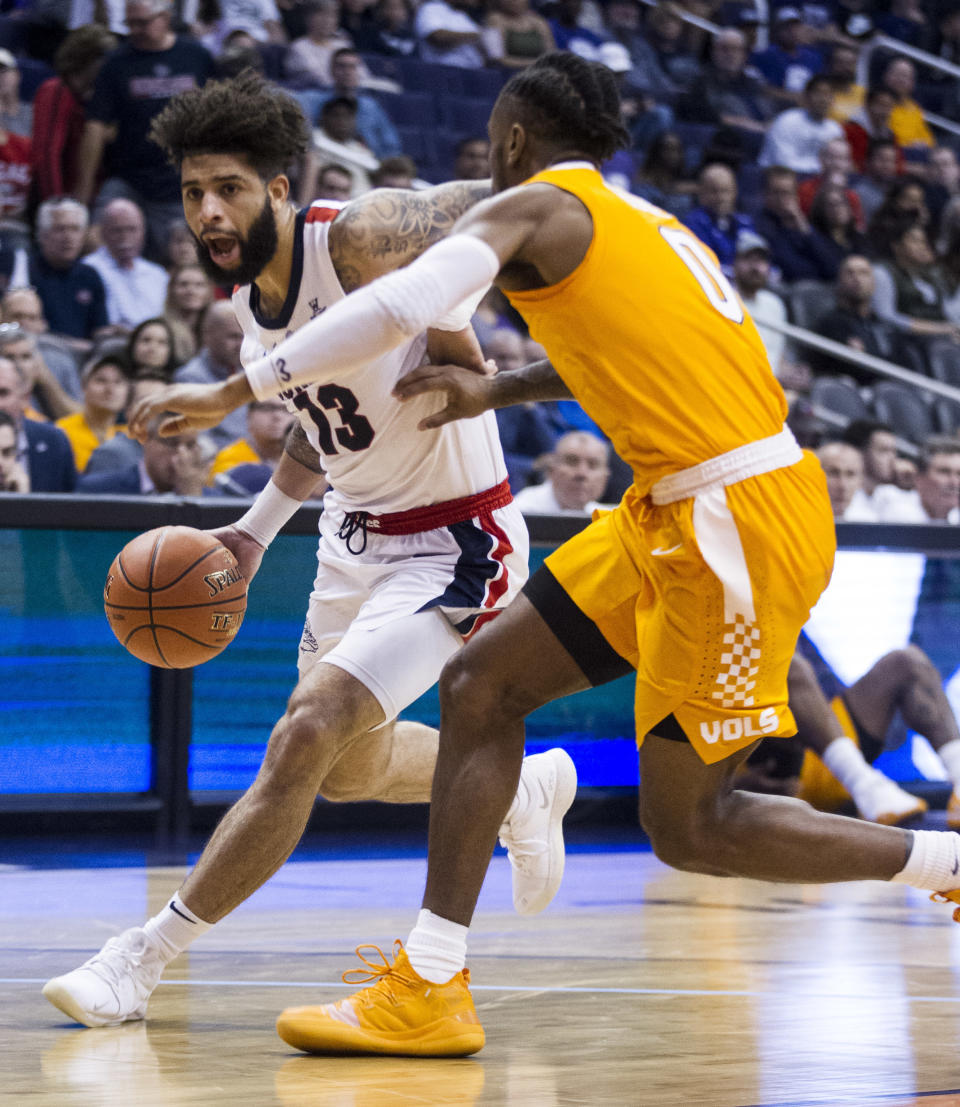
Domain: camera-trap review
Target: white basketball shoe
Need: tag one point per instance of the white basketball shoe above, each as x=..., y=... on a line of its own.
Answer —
x=533, y=838
x=114, y=986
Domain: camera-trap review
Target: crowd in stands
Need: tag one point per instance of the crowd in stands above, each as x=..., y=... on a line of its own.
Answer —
x=820, y=166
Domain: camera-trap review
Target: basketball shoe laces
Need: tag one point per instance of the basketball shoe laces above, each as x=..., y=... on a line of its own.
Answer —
x=118, y=965
x=390, y=984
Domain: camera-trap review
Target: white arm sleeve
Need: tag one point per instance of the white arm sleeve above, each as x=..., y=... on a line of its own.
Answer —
x=373, y=320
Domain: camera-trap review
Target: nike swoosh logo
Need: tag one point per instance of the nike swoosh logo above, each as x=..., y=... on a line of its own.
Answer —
x=956, y=866
x=662, y=551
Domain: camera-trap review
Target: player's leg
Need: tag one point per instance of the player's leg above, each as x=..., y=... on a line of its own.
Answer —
x=327, y=710
x=876, y=796
x=907, y=681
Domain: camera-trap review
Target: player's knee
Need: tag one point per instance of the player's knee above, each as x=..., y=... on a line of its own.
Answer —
x=915, y=664
x=469, y=691
x=348, y=781
x=681, y=839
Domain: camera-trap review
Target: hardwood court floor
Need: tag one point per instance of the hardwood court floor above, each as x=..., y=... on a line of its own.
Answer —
x=639, y=987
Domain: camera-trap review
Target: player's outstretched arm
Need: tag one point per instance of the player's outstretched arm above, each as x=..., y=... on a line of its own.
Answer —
x=468, y=394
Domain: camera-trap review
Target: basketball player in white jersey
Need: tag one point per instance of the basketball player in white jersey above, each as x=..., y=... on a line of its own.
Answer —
x=420, y=543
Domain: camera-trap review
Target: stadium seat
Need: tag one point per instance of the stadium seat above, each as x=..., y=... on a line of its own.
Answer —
x=809, y=302
x=420, y=76
x=417, y=143
x=32, y=75
x=947, y=415
x=904, y=408
x=464, y=115
x=409, y=109
x=944, y=359
x=839, y=396
x=484, y=83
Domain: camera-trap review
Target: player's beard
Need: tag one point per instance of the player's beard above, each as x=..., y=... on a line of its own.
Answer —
x=256, y=250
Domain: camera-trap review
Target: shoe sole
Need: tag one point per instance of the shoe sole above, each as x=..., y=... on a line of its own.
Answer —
x=562, y=800
x=894, y=819
x=439, y=1040
x=54, y=992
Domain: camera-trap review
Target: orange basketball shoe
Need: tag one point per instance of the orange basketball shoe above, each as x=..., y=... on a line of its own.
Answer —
x=400, y=1014
x=949, y=897
x=953, y=811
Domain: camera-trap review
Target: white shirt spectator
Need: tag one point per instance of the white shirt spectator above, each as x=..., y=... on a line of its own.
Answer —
x=435, y=15
x=540, y=499
x=133, y=294
x=764, y=307
x=794, y=139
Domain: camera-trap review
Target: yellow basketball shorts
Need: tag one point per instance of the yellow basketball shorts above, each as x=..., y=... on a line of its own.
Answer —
x=705, y=598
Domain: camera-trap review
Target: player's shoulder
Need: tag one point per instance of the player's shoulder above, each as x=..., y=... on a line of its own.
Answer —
x=323, y=211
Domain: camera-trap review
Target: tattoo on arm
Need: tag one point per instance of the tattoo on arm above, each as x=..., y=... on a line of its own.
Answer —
x=536, y=381
x=299, y=448
x=389, y=227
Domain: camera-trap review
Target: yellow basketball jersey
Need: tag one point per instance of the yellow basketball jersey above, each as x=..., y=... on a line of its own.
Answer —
x=651, y=337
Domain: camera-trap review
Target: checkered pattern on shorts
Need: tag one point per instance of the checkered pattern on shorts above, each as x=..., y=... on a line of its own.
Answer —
x=738, y=664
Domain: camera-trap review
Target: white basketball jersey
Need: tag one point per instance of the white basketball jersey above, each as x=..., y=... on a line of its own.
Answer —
x=370, y=448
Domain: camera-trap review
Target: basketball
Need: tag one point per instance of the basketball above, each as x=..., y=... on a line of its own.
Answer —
x=175, y=597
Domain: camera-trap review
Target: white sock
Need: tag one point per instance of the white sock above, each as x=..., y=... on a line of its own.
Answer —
x=844, y=759
x=437, y=948
x=934, y=861
x=174, y=928
x=949, y=754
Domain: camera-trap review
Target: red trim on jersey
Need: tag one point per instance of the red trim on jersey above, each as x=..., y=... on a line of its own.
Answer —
x=444, y=514
x=497, y=588
x=320, y=213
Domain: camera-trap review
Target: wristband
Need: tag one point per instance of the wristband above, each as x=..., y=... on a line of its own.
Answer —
x=267, y=515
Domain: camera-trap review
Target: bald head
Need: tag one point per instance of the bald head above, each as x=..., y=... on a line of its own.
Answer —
x=123, y=229
x=717, y=190
x=579, y=468
x=222, y=334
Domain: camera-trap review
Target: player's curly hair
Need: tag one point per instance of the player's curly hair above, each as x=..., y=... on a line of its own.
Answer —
x=244, y=116
x=572, y=102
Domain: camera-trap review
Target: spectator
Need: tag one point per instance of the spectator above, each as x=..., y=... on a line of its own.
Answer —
x=267, y=424
x=307, y=63
x=943, y=181
x=168, y=465
x=871, y=123
x=396, y=172
x=181, y=247
x=238, y=51
x=751, y=273
x=13, y=476
x=725, y=93
x=16, y=116
x=715, y=220
x=905, y=473
x=58, y=110
x=106, y=388
x=942, y=39
x=217, y=359
x=881, y=172
x=878, y=498
x=22, y=305
x=258, y=18
x=516, y=35
x=906, y=120
x=576, y=475
x=333, y=182
x=150, y=349
x=937, y=495
x=854, y=323
x=843, y=467
x=448, y=34
x=950, y=271
x=834, y=226
x=910, y=291
x=16, y=173
x=904, y=20
x=905, y=202
x=136, y=82
x=472, y=159
x=372, y=124
x=787, y=64
x=793, y=248
x=848, y=94
x=43, y=451
x=49, y=399
x=72, y=293
x=836, y=166
x=122, y=451
x=662, y=179
x=136, y=288
x=796, y=136
x=664, y=31
x=389, y=31
x=850, y=19
x=189, y=293
x=336, y=138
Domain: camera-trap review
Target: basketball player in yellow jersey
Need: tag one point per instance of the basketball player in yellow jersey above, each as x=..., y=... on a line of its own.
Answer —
x=701, y=579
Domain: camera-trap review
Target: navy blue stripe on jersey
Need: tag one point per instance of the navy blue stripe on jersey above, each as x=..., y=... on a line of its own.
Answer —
x=474, y=571
x=293, y=289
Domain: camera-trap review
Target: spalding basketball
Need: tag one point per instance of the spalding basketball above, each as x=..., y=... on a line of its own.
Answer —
x=175, y=597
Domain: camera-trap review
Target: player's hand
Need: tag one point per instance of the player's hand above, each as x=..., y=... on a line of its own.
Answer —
x=248, y=553
x=467, y=392
x=195, y=407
